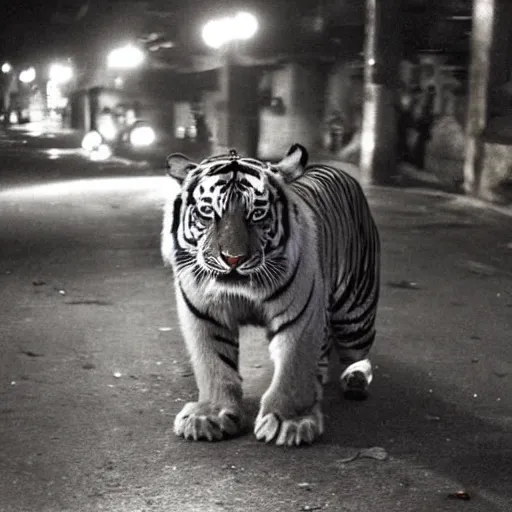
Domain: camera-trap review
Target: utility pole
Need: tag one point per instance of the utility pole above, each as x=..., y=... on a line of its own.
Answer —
x=382, y=55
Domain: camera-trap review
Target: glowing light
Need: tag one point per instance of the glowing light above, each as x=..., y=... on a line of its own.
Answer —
x=180, y=132
x=218, y=32
x=245, y=25
x=108, y=130
x=28, y=75
x=103, y=152
x=92, y=140
x=60, y=73
x=6, y=67
x=53, y=154
x=126, y=57
x=56, y=153
x=142, y=136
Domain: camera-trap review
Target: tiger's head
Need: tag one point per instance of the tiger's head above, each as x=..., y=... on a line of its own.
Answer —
x=231, y=221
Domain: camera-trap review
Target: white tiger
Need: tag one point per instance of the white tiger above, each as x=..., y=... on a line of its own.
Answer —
x=288, y=247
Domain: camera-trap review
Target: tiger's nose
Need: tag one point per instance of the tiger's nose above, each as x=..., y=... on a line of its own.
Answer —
x=233, y=261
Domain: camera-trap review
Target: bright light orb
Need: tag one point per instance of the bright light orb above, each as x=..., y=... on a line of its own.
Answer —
x=217, y=33
x=102, y=153
x=92, y=140
x=245, y=26
x=142, y=136
x=28, y=75
x=60, y=73
x=126, y=57
x=6, y=68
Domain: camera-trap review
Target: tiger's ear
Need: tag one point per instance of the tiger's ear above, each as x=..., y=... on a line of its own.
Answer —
x=293, y=164
x=178, y=166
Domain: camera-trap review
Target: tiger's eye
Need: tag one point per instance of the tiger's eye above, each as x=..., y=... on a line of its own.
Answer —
x=205, y=210
x=258, y=214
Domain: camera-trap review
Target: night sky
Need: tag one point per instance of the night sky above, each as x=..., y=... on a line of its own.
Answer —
x=32, y=29
x=26, y=26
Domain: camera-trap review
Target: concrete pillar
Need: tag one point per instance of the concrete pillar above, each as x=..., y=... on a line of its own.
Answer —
x=237, y=109
x=490, y=67
x=94, y=107
x=382, y=55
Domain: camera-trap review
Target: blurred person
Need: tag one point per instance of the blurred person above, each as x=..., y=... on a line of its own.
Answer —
x=404, y=123
x=107, y=125
x=423, y=126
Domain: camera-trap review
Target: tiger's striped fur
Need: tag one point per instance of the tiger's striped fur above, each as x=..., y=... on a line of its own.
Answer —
x=288, y=247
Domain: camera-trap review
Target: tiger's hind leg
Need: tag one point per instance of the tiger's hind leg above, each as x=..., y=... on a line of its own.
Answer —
x=353, y=347
x=356, y=379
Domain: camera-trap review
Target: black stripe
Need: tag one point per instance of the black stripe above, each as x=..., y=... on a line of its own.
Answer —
x=276, y=196
x=190, y=189
x=253, y=161
x=356, y=340
x=223, y=169
x=282, y=289
x=349, y=288
x=234, y=167
x=179, y=253
x=371, y=308
x=249, y=171
x=176, y=214
x=199, y=314
x=228, y=362
x=289, y=323
x=243, y=183
x=227, y=341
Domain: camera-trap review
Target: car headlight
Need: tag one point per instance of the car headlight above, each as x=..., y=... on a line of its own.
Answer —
x=92, y=140
x=102, y=152
x=142, y=136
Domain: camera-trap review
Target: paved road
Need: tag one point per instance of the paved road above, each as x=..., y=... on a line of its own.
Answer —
x=93, y=370
x=30, y=157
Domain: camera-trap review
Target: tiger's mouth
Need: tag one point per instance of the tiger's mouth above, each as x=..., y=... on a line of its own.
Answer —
x=232, y=276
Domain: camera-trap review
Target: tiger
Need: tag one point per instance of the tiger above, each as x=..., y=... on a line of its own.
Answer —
x=289, y=247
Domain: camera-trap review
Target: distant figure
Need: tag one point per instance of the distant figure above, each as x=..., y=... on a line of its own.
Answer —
x=404, y=124
x=336, y=131
x=423, y=125
x=107, y=125
x=202, y=131
x=351, y=152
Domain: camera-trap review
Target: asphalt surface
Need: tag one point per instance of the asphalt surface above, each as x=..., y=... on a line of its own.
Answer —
x=93, y=368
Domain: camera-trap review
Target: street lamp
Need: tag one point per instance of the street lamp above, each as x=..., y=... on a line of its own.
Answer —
x=6, y=68
x=224, y=34
x=125, y=57
x=240, y=27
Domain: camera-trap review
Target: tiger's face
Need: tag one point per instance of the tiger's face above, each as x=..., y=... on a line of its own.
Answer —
x=231, y=221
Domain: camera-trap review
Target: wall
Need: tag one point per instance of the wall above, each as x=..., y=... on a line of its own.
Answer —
x=301, y=88
x=344, y=94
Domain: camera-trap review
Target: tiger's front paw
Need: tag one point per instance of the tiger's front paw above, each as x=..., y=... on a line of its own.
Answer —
x=201, y=420
x=293, y=431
